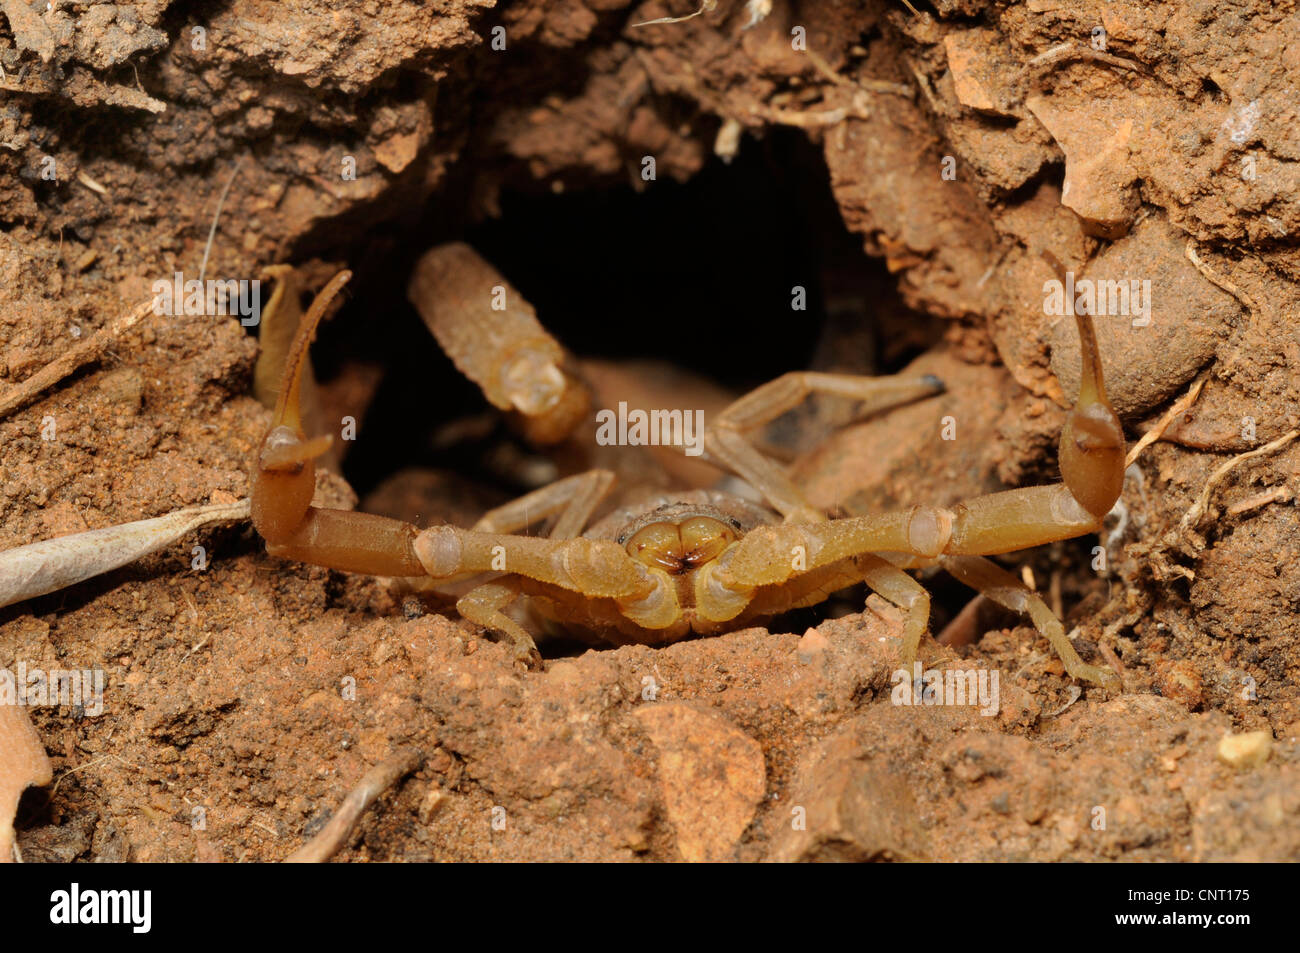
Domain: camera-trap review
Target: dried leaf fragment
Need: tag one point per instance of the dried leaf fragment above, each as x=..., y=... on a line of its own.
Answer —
x=23, y=764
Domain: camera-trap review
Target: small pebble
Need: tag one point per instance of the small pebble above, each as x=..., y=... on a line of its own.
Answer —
x=1246, y=751
x=432, y=803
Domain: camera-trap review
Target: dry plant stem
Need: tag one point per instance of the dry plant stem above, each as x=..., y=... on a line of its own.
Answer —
x=706, y=6
x=1215, y=279
x=334, y=835
x=1193, y=515
x=39, y=568
x=23, y=763
x=1158, y=431
x=810, y=119
x=73, y=358
x=1069, y=51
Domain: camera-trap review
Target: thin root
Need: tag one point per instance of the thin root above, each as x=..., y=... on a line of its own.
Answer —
x=869, y=85
x=1277, y=494
x=216, y=217
x=811, y=119
x=331, y=838
x=95, y=762
x=1071, y=51
x=1193, y=515
x=1216, y=279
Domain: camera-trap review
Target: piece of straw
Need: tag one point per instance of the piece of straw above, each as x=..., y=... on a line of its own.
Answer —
x=39, y=568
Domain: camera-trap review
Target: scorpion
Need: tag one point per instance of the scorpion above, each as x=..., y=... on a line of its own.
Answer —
x=699, y=562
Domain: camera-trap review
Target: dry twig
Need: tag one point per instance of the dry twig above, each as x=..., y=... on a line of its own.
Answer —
x=331, y=838
x=1155, y=433
x=73, y=358
x=707, y=6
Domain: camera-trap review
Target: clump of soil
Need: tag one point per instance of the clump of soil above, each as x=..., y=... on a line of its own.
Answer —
x=908, y=172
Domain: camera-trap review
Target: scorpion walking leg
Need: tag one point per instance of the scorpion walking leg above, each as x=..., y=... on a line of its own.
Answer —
x=484, y=606
x=902, y=590
x=997, y=584
x=727, y=443
x=574, y=498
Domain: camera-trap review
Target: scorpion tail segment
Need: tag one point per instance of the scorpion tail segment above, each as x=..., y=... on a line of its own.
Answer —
x=284, y=474
x=1092, y=440
x=288, y=412
x=352, y=542
x=284, y=481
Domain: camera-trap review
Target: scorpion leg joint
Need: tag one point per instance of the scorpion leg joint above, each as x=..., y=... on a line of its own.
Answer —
x=439, y=550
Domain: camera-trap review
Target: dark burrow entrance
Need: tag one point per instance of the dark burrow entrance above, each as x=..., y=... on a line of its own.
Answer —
x=698, y=274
